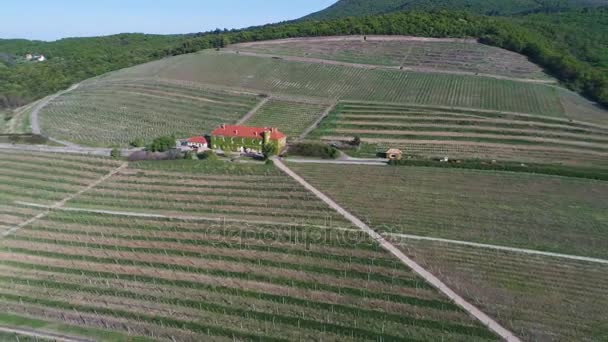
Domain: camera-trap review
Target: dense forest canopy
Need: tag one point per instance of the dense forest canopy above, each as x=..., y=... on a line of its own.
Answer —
x=571, y=45
x=70, y=60
x=346, y=8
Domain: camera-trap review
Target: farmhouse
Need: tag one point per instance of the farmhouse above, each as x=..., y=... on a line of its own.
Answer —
x=35, y=58
x=247, y=139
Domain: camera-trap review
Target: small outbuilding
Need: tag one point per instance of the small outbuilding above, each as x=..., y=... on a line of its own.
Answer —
x=198, y=143
x=394, y=154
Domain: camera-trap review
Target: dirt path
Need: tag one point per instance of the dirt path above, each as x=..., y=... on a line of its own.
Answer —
x=377, y=38
x=500, y=248
x=385, y=67
x=252, y=112
x=42, y=335
x=426, y=275
x=315, y=124
x=564, y=140
x=458, y=143
x=70, y=149
x=16, y=120
x=62, y=202
x=35, y=113
x=173, y=217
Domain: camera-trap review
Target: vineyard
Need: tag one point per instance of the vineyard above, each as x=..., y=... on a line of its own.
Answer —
x=461, y=134
x=426, y=53
x=548, y=213
x=275, y=76
x=529, y=294
x=268, y=271
x=291, y=118
x=260, y=195
x=116, y=113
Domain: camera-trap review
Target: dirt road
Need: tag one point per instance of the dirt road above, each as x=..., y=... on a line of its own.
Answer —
x=34, y=116
x=426, y=275
x=41, y=335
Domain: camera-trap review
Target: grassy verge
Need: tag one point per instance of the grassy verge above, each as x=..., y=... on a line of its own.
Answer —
x=16, y=321
x=554, y=170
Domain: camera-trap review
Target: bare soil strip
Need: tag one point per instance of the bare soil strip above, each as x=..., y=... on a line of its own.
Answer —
x=173, y=217
x=426, y=275
x=252, y=112
x=500, y=248
x=61, y=203
x=41, y=334
x=378, y=38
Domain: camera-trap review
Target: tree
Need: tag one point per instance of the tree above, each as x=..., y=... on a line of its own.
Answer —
x=268, y=150
x=115, y=153
x=162, y=144
x=138, y=142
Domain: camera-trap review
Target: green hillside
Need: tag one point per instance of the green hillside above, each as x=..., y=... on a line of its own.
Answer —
x=346, y=8
x=71, y=60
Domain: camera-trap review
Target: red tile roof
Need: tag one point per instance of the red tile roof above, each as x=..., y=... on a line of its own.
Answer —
x=247, y=132
x=198, y=140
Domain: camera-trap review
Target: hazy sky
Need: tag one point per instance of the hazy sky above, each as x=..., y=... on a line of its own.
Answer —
x=54, y=19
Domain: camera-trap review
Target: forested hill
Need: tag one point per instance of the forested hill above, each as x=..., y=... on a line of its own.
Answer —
x=346, y=8
x=71, y=60
x=571, y=45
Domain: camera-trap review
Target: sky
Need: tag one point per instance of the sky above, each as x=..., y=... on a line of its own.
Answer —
x=51, y=20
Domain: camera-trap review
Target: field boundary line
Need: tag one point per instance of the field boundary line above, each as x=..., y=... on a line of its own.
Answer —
x=476, y=110
x=315, y=124
x=254, y=110
x=40, y=334
x=61, y=203
x=426, y=275
x=500, y=248
x=181, y=218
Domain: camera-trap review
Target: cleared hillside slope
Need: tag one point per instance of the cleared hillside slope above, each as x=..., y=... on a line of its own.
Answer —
x=470, y=115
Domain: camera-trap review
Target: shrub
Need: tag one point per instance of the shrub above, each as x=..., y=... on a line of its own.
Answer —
x=268, y=151
x=189, y=155
x=208, y=155
x=162, y=144
x=314, y=150
x=115, y=154
x=138, y=142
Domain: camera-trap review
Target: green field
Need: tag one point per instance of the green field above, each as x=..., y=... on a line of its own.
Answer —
x=433, y=132
x=116, y=113
x=291, y=118
x=268, y=271
x=529, y=294
x=547, y=213
x=429, y=54
x=333, y=81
